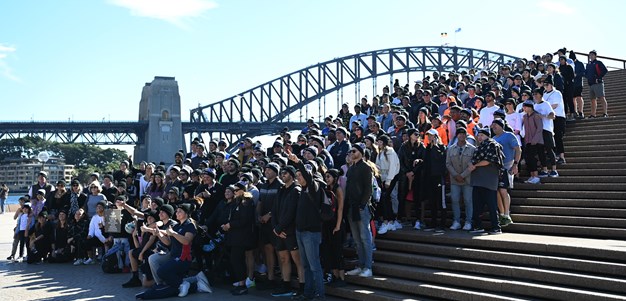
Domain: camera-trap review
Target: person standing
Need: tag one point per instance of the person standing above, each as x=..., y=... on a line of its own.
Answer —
x=486, y=163
x=4, y=193
x=579, y=73
x=357, y=201
x=458, y=159
x=512, y=150
x=555, y=99
x=595, y=73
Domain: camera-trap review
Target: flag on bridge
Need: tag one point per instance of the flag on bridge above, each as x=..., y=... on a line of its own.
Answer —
x=458, y=30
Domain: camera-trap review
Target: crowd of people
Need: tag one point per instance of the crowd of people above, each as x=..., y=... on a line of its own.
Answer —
x=298, y=203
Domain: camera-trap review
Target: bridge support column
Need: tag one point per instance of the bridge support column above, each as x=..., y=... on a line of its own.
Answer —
x=160, y=106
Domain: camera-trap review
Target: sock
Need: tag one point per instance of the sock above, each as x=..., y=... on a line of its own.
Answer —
x=135, y=274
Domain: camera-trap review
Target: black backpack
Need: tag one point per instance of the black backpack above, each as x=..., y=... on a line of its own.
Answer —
x=109, y=261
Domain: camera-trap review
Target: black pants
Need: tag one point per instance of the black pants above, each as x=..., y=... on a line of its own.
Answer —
x=559, y=131
x=332, y=246
x=483, y=196
x=548, y=145
x=24, y=241
x=238, y=263
x=531, y=152
x=432, y=189
x=568, y=99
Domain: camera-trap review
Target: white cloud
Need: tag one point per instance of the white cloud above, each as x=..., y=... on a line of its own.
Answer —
x=556, y=7
x=173, y=11
x=5, y=70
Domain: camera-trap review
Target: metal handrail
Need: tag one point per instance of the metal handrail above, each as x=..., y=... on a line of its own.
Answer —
x=623, y=61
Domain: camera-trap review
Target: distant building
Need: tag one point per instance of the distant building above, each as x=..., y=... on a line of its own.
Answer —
x=20, y=173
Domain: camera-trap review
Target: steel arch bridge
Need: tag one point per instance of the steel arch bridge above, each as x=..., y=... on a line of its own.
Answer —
x=265, y=108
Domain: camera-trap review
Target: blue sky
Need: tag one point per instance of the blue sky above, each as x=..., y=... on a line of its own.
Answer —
x=88, y=60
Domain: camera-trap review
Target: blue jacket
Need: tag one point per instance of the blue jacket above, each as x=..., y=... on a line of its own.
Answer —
x=580, y=72
x=595, y=72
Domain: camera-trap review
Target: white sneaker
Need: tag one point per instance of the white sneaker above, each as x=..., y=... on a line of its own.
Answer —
x=397, y=225
x=391, y=226
x=455, y=226
x=183, y=289
x=468, y=226
x=418, y=226
x=534, y=180
x=78, y=262
x=383, y=229
x=250, y=283
x=203, y=283
x=366, y=273
x=89, y=261
x=354, y=272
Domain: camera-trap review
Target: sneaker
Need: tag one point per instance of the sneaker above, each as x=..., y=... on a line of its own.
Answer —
x=533, y=180
x=383, y=229
x=238, y=291
x=455, y=226
x=283, y=292
x=440, y=230
x=477, y=230
x=495, y=232
x=580, y=115
x=543, y=174
x=505, y=221
x=203, y=283
x=10, y=257
x=605, y=115
x=391, y=226
x=418, y=225
x=338, y=283
x=354, y=272
x=428, y=229
x=328, y=278
x=467, y=226
x=554, y=174
x=89, y=261
x=133, y=282
x=250, y=283
x=560, y=161
x=366, y=273
x=397, y=225
x=183, y=289
x=591, y=116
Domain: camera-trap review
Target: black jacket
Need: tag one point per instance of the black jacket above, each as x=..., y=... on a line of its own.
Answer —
x=241, y=232
x=308, y=212
x=284, y=209
x=358, y=188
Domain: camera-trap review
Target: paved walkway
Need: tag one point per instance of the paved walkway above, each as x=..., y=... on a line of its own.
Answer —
x=22, y=282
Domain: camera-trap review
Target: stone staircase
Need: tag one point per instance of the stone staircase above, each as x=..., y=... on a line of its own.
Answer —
x=568, y=241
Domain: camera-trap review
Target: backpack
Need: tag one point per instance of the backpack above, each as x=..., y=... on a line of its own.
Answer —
x=328, y=208
x=376, y=190
x=109, y=260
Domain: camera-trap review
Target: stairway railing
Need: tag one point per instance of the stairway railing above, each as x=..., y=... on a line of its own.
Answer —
x=606, y=60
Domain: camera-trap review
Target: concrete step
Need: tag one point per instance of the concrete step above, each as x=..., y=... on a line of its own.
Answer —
x=571, y=153
x=605, y=141
x=605, y=165
x=593, y=122
x=584, y=179
x=569, y=231
x=429, y=289
x=609, y=251
x=493, y=284
x=572, y=186
x=569, y=211
x=505, y=271
x=587, y=160
x=583, y=220
x=598, y=268
x=362, y=293
x=582, y=133
x=613, y=195
x=590, y=147
x=569, y=202
x=590, y=172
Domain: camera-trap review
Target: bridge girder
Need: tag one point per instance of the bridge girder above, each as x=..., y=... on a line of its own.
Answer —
x=97, y=133
x=274, y=101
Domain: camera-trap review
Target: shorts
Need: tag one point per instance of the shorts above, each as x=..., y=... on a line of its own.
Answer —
x=286, y=244
x=506, y=178
x=596, y=90
x=266, y=234
x=578, y=91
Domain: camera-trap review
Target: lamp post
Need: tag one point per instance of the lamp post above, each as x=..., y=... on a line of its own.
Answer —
x=43, y=157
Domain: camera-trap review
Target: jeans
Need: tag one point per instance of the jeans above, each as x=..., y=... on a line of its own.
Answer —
x=481, y=197
x=2, y=203
x=156, y=260
x=173, y=271
x=125, y=247
x=309, y=248
x=456, y=192
x=362, y=235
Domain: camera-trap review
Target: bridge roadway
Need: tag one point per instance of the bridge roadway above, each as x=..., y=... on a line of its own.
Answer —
x=128, y=132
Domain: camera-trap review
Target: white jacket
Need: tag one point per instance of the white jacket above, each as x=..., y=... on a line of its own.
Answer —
x=389, y=166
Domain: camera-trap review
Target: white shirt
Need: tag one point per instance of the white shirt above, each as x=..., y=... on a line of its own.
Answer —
x=94, y=227
x=515, y=121
x=544, y=109
x=555, y=98
x=486, y=115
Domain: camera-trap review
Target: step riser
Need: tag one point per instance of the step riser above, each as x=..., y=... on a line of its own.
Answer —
x=569, y=220
x=569, y=211
x=569, y=194
x=571, y=187
x=571, y=231
x=559, y=202
x=584, y=179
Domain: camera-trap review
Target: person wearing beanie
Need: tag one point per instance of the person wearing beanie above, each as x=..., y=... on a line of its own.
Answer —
x=370, y=144
x=458, y=160
x=533, y=141
x=388, y=164
x=308, y=224
x=433, y=172
x=143, y=249
x=40, y=243
x=357, y=200
x=231, y=171
x=485, y=173
x=163, y=243
x=340, y=148
x=512, y=150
